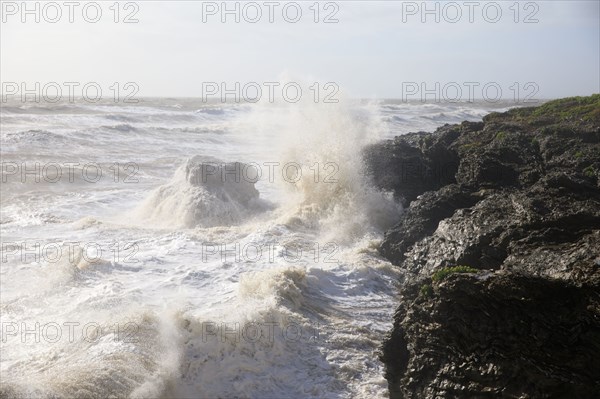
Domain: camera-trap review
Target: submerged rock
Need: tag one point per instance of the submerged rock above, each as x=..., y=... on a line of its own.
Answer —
x=519, y=200
x=205, y=192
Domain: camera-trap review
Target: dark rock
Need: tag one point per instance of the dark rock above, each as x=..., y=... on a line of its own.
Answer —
x=496, y=336
x=422, y=218
x=415, y=163
x=522, y=206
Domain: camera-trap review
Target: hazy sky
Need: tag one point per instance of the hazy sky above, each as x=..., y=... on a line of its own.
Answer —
x=371, y=51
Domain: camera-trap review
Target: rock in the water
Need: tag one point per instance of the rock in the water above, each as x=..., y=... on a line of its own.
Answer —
x=205, y=193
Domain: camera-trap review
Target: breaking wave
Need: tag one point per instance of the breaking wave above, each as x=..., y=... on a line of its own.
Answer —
x=204, y=193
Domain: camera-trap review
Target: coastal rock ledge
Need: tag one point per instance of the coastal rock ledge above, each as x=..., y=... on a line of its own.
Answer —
x=499, y=245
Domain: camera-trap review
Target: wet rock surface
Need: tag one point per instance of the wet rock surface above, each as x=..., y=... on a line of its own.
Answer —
x=516, y=197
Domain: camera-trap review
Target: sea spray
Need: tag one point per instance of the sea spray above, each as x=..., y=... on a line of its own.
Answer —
x=328, y=188
x=197, y=318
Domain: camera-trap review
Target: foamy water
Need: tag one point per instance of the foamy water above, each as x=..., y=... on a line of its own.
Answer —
x=226, y=250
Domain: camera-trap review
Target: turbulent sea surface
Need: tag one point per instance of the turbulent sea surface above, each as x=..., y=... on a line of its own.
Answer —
x=148, y=282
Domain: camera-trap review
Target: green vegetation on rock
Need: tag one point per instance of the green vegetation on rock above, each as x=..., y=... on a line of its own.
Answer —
x=445, y=272
x=573, y=109
x=470, y=146
x=589, y=172
x=426, y=291
x=586, y=108
x=501, y=135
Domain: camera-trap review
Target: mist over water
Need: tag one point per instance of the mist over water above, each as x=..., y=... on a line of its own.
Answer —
x=185, y=282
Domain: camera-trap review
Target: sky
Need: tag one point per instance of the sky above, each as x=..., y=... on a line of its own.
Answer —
x=370, y=49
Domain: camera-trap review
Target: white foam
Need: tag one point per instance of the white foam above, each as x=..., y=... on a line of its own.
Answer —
x=198, y=196
x=172, y=294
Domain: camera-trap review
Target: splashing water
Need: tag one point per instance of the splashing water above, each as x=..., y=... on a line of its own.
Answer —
x=200, y=288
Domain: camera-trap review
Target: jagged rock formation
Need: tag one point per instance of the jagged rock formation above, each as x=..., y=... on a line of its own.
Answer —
x=517, y=197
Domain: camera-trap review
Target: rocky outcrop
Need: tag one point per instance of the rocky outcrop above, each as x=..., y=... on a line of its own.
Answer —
x=496, y=335
x=516, y=198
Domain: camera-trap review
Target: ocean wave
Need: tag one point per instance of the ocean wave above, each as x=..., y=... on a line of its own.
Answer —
x=46, y=109
x=33, y=136
x=120, y=128
x=202, y=194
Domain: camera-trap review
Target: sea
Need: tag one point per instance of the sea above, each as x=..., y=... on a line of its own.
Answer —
x=177, y=248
